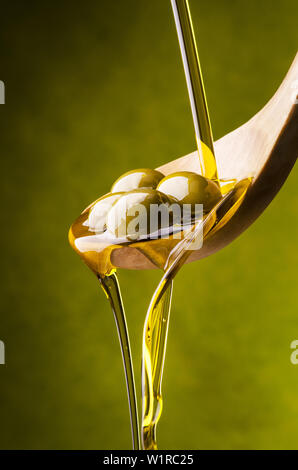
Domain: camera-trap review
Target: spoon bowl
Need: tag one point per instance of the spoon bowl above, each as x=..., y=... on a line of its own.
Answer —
x=265, y=148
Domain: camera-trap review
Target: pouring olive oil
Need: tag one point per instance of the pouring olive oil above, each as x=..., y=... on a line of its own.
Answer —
x=166, y=236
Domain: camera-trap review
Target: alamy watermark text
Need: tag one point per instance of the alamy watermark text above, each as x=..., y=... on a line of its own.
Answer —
x=2, y=352
x=2, y=92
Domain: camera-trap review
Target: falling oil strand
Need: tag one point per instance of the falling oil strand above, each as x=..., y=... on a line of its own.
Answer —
x=196, y=90
x=154, y=352
x=155, y=339
x=157, y=319
x=99, y=262
x=111, y=287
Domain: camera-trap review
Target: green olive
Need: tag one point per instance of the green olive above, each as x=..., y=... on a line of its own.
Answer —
x=190, y=188
x=134, y=215
x=137, y=179
x=98, y=212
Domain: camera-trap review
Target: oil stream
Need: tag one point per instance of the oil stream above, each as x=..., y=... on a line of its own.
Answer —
x=168, y=254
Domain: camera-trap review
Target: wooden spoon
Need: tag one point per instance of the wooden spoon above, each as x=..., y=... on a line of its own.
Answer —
x=265, y=147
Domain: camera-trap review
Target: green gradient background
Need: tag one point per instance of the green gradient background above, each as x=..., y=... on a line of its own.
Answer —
x=92, y=91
